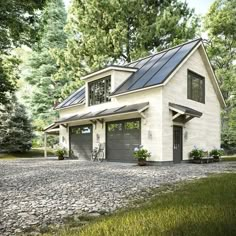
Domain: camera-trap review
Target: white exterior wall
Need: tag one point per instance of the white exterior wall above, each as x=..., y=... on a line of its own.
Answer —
x=151, y=136
x=204, y=132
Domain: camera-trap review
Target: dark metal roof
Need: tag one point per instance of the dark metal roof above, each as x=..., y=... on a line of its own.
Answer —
x=186, y=110
x=105, y=112
x=155, y=69
x=75, y=98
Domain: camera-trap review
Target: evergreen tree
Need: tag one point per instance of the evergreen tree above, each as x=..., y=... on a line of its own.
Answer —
x=106, y=32
x=220, y=23
x=43, y=66
x=15, y=127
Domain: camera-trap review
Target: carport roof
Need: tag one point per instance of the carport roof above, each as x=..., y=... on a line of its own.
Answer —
x=106, y=112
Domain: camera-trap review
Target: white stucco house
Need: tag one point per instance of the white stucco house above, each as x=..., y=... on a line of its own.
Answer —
x=168, y=102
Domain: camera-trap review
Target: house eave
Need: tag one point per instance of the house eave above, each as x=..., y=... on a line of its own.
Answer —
x=107, y=69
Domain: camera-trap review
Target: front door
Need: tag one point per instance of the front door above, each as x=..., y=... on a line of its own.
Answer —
x=177, y=144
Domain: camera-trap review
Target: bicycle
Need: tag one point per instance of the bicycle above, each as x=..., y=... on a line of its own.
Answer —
x=98, y=153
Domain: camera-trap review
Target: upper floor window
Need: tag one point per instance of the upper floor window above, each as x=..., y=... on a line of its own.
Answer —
x=99, y=91
x=196, y=87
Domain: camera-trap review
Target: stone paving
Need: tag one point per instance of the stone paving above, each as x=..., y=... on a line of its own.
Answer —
x=37, y=192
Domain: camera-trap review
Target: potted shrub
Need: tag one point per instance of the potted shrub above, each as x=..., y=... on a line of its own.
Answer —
x=196, y=154
x=216, y=154
x=60, y=153
x=141, y=154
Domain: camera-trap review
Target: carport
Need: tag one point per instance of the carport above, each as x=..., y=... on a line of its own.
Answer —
x=52, y=129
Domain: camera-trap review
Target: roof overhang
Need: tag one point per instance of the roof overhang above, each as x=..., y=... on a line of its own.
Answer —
x=110, y=68
x=52, y=129
x=112, y=112
x=183, y=113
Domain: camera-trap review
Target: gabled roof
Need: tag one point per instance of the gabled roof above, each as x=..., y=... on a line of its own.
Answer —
x=155, y=69
x=106, y=112
x=76, y=98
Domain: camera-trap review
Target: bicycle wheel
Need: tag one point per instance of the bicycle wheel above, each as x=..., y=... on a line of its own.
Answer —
x=100, y=156
x=93, y=156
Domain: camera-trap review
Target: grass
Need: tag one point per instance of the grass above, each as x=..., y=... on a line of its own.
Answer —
x=229, y=158
x=30, y=154
x=204, y=207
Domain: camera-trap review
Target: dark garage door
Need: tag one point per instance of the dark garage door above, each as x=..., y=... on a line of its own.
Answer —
x=81, y=141
x=122, y=137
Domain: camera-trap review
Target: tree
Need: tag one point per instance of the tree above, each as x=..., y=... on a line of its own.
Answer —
x=43, y=66
x=18, y=26
x=220, y=23
x=106, y=32
x=15, y=128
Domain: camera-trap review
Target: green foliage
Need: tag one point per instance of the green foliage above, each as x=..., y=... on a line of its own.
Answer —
x=107, y=32
x=220, y=23
x=141, y=153
x=196, y=153
x=60, y=153
x=18, y=26
x=216, y=152
x=42, y=66
x=15, y=128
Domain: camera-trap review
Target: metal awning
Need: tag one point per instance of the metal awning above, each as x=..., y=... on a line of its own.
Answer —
x=126, y=109
x=52, y=129
x=183, y=113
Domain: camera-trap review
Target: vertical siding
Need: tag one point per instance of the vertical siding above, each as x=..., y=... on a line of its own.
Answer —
x=203, y=132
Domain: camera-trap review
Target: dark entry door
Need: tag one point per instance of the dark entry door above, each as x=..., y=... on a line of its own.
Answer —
x=177, y=144
x=121, y=139
x=81, y=138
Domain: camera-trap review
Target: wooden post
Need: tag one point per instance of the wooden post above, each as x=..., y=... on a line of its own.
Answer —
x=45, y=145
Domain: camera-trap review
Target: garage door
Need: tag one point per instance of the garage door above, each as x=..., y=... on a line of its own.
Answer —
x=81, y=141
x=122, y=137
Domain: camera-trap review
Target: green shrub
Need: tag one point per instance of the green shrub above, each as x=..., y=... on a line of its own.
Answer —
x=60, y=153
x=197, y=153
x=141, y=153
x=216, y=153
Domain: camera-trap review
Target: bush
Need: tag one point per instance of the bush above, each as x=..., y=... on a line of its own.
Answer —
x=197, y=153
x=60, y=153
x=216, y=153
x=140, y=153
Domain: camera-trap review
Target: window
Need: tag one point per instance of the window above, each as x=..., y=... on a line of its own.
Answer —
x=99, y=91
x=196, y=87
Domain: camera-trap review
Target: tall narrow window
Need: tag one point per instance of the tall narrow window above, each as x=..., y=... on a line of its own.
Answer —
x=99, y=91
x=196, y=87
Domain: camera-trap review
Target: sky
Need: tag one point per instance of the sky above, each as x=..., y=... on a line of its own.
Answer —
x=201, y=6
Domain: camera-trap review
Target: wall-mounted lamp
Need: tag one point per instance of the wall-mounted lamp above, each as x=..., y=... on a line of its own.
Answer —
x=149, y=134
x=185, y=135
x=98, y=138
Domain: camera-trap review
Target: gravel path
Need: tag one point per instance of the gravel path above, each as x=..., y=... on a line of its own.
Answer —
x=36, y=192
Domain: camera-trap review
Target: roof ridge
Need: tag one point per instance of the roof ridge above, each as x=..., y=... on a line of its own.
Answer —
x=164, y=50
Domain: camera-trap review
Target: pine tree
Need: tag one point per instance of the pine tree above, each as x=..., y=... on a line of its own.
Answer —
x=43, y=66
x=106, y=32
x=15, y=128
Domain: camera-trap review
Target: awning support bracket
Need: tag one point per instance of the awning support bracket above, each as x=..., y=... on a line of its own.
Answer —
x=94, y=122
x=101, y=121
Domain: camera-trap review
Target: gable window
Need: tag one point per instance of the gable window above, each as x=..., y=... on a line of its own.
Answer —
x=99, y=91
x=196, y=87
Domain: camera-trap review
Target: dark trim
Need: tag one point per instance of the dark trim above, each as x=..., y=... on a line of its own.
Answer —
x=107, y=90
x=74, y=126
x=189, y=91
x=118, y=121
x=174, y=126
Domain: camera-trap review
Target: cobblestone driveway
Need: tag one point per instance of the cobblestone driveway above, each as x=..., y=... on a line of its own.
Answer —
x=38, y=192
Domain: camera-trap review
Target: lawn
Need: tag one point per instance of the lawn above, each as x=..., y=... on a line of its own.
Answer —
x=30, y=154
x=203, y=207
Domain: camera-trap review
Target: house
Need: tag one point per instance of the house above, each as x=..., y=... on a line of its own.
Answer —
x=168, y=102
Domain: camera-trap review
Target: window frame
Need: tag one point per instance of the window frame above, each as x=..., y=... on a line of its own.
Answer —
x=189, y=86
x=91, y=98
